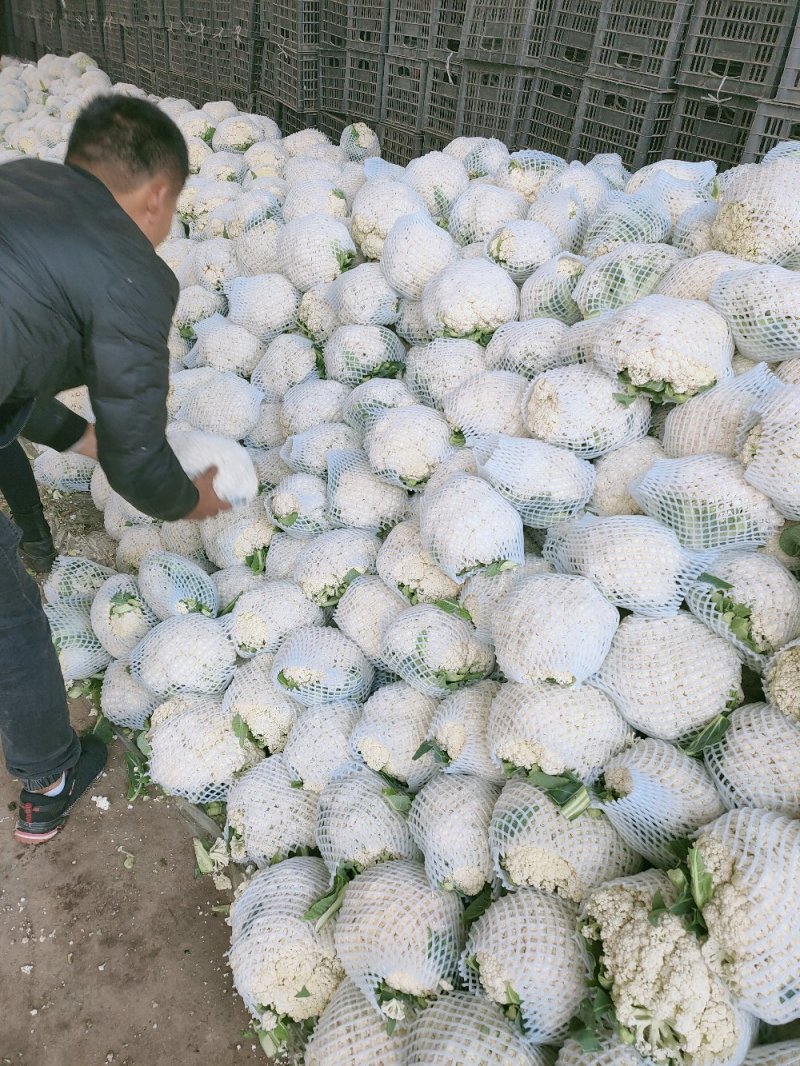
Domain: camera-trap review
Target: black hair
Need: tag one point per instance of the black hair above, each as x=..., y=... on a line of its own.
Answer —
x=129, y=140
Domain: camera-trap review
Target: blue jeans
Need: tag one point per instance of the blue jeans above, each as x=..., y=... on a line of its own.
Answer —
x=38, y=741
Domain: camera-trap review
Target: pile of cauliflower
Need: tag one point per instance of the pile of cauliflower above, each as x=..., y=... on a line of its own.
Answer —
x=496, y=659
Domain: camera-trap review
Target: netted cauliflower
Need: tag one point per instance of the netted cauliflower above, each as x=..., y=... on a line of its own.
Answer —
x=406, y=444
x=316, y=665
x=318, y=744
x=366, y=607
x=263, y=617
x=376, y=207
x=187, y=654
x=266, y=709
x=241, y=535
x=470, y=298
x=119, y=615
x=350, y=1029
x=480, y=209
x=172, y=585
x=357, y=498
x=432, y=369
x=530, y=347
x=759, y=217
x=390, y=731
x=548, y=291
x=439, y=179
x=265, y=305
x=484, y=404
x=328, y=563
x=299, y=504
x=355, y=353
x=123, y=700
x=415, y=251
x=405, y=565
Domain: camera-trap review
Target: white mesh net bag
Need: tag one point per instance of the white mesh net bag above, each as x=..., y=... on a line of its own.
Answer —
x=270, y=468
x=319, y=744
x=410, y=325
x=364, y=610
x=313, y=196
x=231, y=582
x=435, y=652
x=761, y=305
x=283, y=553
x=63, y=471
x=752, y=857
x=405, y=565
x=265, y=708
x=751, y=600
x=548, y=291
x=283, y=968
x=670, y=676
x=241, y=535
x=312, y=401
x=623, y=219
x=590, y=183
x=692, y=231
x=534, y=845
x=182, y=384
x=359, y=142
x=75, y=580
x=356, y=353
x=190, y=654
x=268, y=818
x=782, y=679
x=99, y=487
x=618, y=278
x=759, y=217
x=237, y=133
x=439, y=179
x=543, y=483
x=257, y=244
x=123, y=701
x=564, y=214
x=299, y=504
x=646, y=961
x=228, y=406
x=316, y=665
x=359, y=823
x=481, y=593
x=707, y=502
x=194, y=750
x=307, y=452
x=528, y=171
x=329, y=562
x=263, y=617
x=694, y=278
x=432, y=369
x=520, y=246
x=397, y=938
x=134, y=544
x=468, y=526
x=119, y=615
x=536, y=726
x=664, y=348
x=357, y=498
x=553, y=627
x=770, y=454
x=615, y=472
x=485, y=404
x=655, y=794
x=786, y=1053
x=376, y=207
x=363, y=297
x=755, y=764
x=611, y=1052
x=529, y=347
x=371, y=398
x=414, y=252
x=184, y=538
x=265, y=305
x=634, y=561
x=457, y=732
x=172, y=585
x=268, y=431
x=480, y=209
x=195, y=304
x=80, y=653
x=788, y=372
x=449, y=821
x=470, y=298
x=578, y=407
x=405, y=444
x=711, y=424
x=314, y=250
x=288, y=360
x=392, y=727
x=214, y=262
x=481, y=156
x=350, y=1032
x=524, y=953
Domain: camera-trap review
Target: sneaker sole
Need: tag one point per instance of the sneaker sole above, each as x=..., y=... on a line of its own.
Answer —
x=24, y=836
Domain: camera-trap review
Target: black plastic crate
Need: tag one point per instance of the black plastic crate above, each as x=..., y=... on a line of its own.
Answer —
x=245, y=16
x=362, y=24
x=204, y=62
x=130, y=47
x=619, y=118
x=707, y=129
x=295, y=24
x=773, y=122
x=739, y=45
x=410, y=27
x=83, y=34
x=291, y=121
x=363, y=85
x=434, y=142
x=505, y=31
x=639, y=42
x=398, y=144
x=145, y=79
x=144, y=41
x=149, y=12
x=48, y=34
x=332, y=124
x=440, y=109
x=264, y=104
x=160, y=41
x=789, y=87
x=404, y=86
x=570, y=35
x=492, y=100
x=179, y=52
x=549, y=120
x=332, y=76
x=447, y=28
x=112, y=39
x=199, y=12
x=247, y=54
x=296, y=78
x=173, y=12
x=223, y=64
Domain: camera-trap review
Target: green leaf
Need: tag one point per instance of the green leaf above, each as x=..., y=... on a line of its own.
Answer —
x=658, y=909
x=453, y=607
x=287, y=520
x=302, y=994
x=565, y=790
x=478, y=905
x=700, y=879
x=143, y=744
x=457, y=438
x=241, y=731
x=227, y=609
x=790, y=541
x=205, y=863
x=708, y=736
x=499, y=566
x=401, y=801
x=257, y=560
x=717, y=582
x=512, y=996
x=623, y=398
x=287, y=682
x=440, y=755
x=319, y=363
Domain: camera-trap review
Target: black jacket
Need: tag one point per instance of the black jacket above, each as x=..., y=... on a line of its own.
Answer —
x=85, y=300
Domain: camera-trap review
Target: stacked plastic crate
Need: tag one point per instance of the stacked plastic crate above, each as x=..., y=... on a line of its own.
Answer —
x=733, y=57
x=351, y=63
x=778, y=119
x=290, y=64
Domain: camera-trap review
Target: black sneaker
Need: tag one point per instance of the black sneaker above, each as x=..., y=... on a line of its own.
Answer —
x=40, y=816
x=38, y=555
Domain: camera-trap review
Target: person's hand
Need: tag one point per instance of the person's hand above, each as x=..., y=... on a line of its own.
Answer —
x=208, y=503
x=87, y=445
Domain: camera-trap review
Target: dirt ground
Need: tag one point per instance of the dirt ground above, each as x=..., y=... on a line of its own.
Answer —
x=101, y=963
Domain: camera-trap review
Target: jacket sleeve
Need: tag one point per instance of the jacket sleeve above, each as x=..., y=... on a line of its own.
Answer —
x=53, y=424
x=127, y=372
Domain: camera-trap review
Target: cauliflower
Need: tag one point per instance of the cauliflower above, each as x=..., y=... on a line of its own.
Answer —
x=371, y=398
x=357, y=498
x=359, y=142
x=782, y=678
x=241, y=535
x=376, y=207
x=308, y=452
x=119, y=615
x=355, y=353
x=228, y=406
x=264, y=708
x=404, y=564
x=528, y=172
x=265, y=305
x=312, y=401
x=432, y=369
x=318, y=744
x=263, y=617
x=366, y=607
x=349, y=1028
x=171, y=585
x=548, y=291
x=362, y=297
x=564, y=214
x=64, y=471
x=528, y=348
x=758, y=217
x=439, y=179
x=316, y=318
x=621, y=277
x=414, y=252
x=328, y=563
x=74, y=580
x=316, y=665
x=123, y=700
x=483, y=157
x=237, y=133
x=257, y=244
x=314, y=196
x=485, y=404
x=480, y=209
x=404, y=445
x=624, y=218
x=186, y=654
x=520, y=246
x=80, y=653
x=223, y=346
x=298, y=505
x=770, y=454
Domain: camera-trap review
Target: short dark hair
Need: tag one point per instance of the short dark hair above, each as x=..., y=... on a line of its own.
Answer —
x=129, y=140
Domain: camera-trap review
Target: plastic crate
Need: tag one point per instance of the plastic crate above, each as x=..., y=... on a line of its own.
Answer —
x=48, y=34
x=246, y=59
x=505, y=31
x=332, y=124
x=434, y=142
x=144, y=40
x=245, y=16
x=706, y=129
x=618, y=118
x=160, y=51
x=410, y=28
x=740, y=41
x=295, y=24
x=447, y=28
x=362, y=86
x=332, y=76
x=492, y=101
x=112, y=40
x=789, y=87
x=223, y=70
x=404, y=86
x=362, y=24
x=570, y=35
x=149, y=12
x=199, y=12
x=398, y=144
x=130, y=46
x=178, y=52
x=264, y=104
x=773, y=122
x=145, y=79
x=440, y=108
x=638, y=42
x=296, y=78
x=173, y=12
x=549, y=119
x=291, y=121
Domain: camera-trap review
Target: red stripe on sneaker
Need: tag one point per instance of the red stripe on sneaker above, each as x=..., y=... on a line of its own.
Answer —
x=34, y=838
